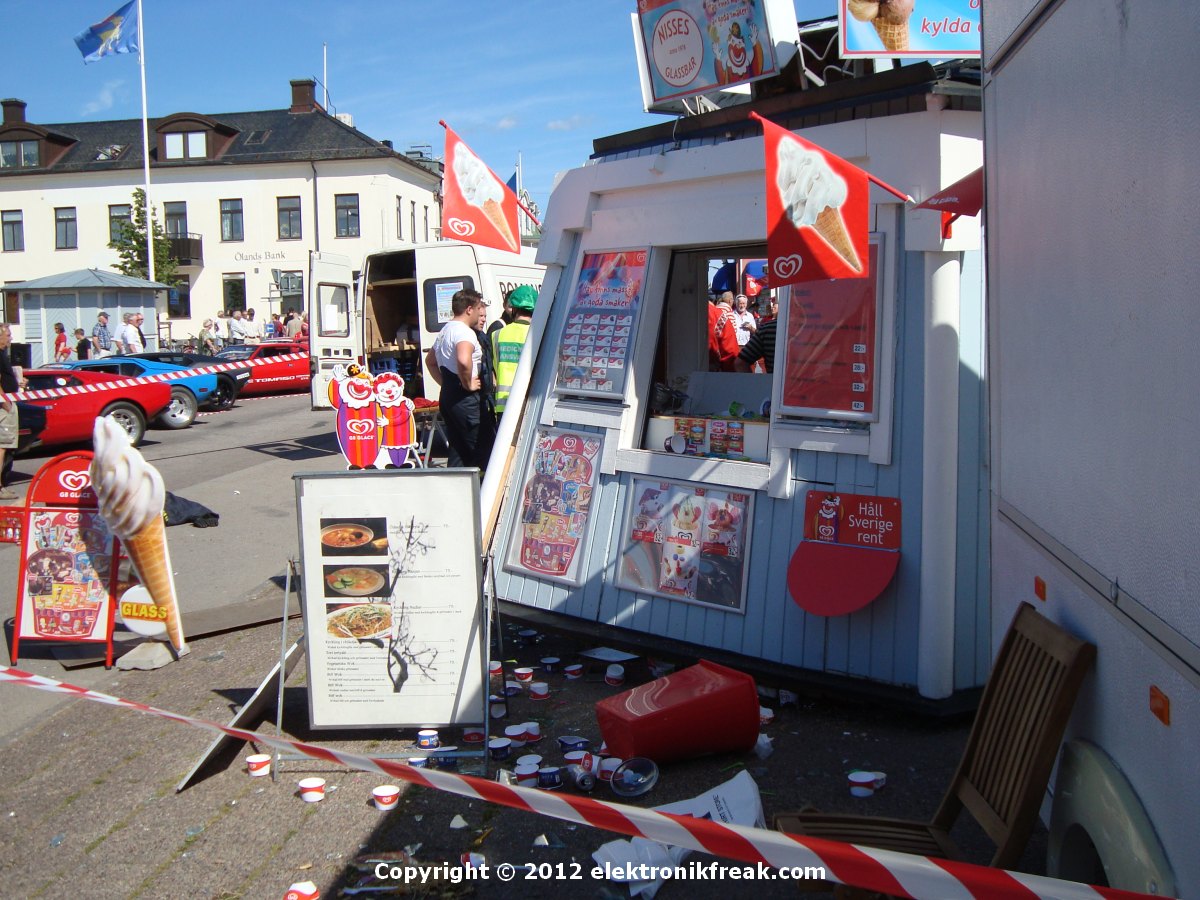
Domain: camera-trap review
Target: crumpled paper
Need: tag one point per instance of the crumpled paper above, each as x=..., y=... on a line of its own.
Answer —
x=736, y=802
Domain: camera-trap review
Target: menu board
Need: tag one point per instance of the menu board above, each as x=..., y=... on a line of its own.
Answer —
x=66, y=583
x=601, y=326
x=556, y=506
x=829, y=353
x=393, y=609
x=686, y=542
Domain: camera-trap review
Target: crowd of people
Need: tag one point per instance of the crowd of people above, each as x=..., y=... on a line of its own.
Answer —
x=475, y=370
x=741, y=333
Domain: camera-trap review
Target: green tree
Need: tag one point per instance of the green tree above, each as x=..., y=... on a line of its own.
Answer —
x=131, y=247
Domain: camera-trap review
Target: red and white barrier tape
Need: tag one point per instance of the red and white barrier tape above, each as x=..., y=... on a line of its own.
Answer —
x=162, y=376
x=899, y=874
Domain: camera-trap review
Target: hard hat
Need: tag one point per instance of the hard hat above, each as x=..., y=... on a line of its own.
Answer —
x=523, y=297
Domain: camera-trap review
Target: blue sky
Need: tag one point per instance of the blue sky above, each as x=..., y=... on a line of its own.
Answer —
x=529, y=76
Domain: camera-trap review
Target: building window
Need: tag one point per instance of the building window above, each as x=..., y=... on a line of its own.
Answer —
x=399, y=218
x=66, y=235
x=186, y=145
x=18, y=154
x=233, y=287
x=12, y=305
x=13, y=223
x=289, y=218
x=291, y=290
x=119, y=216
x=179, y=301
x=412, y=220
x=427, y=224
x=346, y=210
x=176, y=216
x=231, y=220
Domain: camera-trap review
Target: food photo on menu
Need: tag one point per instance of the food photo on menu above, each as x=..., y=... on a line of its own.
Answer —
x=358, y=621
x=366, y=536
x=355, y=581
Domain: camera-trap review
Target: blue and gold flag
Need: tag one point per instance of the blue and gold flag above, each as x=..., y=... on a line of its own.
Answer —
x=116, y=34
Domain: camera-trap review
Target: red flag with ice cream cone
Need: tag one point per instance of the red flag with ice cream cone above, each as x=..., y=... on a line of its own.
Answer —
x=477, y=207
x=816, y=211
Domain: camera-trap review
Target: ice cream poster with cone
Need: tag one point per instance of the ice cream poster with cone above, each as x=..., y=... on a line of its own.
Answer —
x=131, y=496
x=477, y=206
x=927, y=29
x=816, y=211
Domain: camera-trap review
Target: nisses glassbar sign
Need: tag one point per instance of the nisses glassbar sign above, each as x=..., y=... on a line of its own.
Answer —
x=697, y=46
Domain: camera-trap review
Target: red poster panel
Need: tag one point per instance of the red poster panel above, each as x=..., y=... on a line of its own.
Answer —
x=857, y=520
x=829, y=352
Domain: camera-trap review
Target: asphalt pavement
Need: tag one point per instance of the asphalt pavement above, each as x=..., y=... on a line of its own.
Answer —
x=89, y=808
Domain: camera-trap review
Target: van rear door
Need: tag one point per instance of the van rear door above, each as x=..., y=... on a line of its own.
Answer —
x=334, y=336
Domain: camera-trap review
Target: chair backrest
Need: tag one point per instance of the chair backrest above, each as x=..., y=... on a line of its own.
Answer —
x=1022, y=715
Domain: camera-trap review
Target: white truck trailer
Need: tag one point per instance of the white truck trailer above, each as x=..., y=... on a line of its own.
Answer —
x=1090, y=124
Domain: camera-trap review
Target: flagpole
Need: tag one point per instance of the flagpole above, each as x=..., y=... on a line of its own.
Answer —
x=146, y=150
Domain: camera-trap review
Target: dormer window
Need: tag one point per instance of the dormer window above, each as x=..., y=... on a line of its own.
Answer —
x=19, y=154
x=186, y=145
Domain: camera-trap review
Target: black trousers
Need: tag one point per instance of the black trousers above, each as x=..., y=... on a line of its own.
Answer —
x=470, y=419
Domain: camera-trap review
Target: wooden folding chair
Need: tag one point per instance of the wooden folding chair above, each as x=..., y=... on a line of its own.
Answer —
x=1008, y=758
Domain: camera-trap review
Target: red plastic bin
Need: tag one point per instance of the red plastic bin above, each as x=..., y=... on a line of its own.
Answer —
x=706, y=708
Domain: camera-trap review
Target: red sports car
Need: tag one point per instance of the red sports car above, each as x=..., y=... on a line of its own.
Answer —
x=70, y=419
x=280, y=375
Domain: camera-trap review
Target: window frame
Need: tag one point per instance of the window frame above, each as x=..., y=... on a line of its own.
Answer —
x=15, y=228
x=186, y=146
x=114, y=236
x=20, y=148
x=176, y=215
x=228, y=279
x=233, y=226
x=182, y=307
x=347, y=216
x=294, y=216
x=66, y=228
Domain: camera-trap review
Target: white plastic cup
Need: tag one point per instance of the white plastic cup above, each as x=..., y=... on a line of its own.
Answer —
x=529, y=759
x=550, y=663
x=386, y=796
x=258, y=764
x=427, y=739
x=862, y=784
x=581, y=758
x=516, y=736
x=766, y=716
x=495, y=667
x=539, y=690
x=614, y=675
x=533, y=732
x=523, y=674
x=527, y=775
x=302, y=890
x=608, y=765
x=473, y=734
x=573, y=671
x=312, y=790
x=500, y=748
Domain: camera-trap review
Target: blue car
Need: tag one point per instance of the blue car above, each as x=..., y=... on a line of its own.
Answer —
x=188, y=394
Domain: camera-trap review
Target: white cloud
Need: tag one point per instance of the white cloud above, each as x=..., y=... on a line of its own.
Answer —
x=105, y=99
x=568, y=124
x=507, y=123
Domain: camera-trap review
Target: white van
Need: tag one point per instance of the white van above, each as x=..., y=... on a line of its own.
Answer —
x=386, y=315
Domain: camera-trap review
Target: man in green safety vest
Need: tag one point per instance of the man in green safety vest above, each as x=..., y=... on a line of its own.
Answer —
x=507, y=342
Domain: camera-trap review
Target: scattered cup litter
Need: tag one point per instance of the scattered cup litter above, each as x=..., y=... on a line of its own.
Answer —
x=580, y=758
x=258, y=764
x=473, y=734
x=862, y=784
x=550, y=663
x=302, y=890
x=766, y=716
x=529, y=759
x=573, y=671
x=386, y=796
x=523, y=674
x=495, y=667
x=516, y=736
x=569, y=742
x=539, y=690
x=533, y=732
x=527, y=775
x=608, y=765
x=614, y=675
x=312, y=790
x=427, y=738
x=550, y=777
x=500, y=748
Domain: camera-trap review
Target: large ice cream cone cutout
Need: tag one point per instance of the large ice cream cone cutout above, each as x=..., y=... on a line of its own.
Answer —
x=812, y=195
x=889, y=19
x=480, y=189
x=131, y=495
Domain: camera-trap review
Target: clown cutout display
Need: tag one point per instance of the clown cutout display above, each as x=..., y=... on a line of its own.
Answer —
x=397, y=427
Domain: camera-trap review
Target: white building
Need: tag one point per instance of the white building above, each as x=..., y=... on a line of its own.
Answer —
x=244, y=197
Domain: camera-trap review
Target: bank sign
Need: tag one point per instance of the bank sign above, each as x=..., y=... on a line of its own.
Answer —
x=931, y=29
x=698, y=46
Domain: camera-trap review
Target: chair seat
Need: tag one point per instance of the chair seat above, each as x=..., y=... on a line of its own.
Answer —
x=901, y=835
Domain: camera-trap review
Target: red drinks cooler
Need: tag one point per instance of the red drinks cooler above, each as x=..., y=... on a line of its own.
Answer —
x=706, y=708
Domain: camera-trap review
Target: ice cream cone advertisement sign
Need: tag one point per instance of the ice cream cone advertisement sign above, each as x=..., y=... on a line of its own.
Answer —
x=916, y=28
x=130, y=495
x=816, y=211
x=478, y=207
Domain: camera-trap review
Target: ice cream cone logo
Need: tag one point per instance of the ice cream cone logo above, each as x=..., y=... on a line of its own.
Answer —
x=461, y=227
x=478, y=206
x=360, y=426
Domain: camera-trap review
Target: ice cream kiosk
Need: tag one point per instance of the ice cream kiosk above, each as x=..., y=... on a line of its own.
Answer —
x=826, y=515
